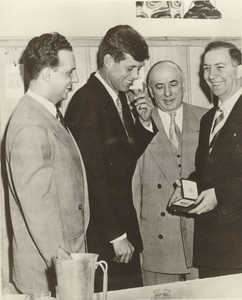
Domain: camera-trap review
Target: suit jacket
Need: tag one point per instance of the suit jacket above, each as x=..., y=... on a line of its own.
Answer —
x=218, y=241
x=48, y=194
x=167, y=238
x=110, y=160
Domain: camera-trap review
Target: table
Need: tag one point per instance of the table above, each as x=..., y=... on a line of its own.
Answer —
x=223, y=287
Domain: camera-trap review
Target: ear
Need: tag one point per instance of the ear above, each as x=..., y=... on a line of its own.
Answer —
x=46, y=74
x=239, y=71
x=183, y=84
x=108, y=61
x=151, y=92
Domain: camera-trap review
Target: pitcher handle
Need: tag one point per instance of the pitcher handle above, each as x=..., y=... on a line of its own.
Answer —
x=104, y=267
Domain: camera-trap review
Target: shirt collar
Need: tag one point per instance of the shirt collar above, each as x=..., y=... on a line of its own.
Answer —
x=229, y=103
x=46, y=103
x=111, y=92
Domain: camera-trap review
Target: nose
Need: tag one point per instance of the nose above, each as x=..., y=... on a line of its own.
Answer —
x=212, y=73
x=167, y=91
x=75, y=78
x=135, y=73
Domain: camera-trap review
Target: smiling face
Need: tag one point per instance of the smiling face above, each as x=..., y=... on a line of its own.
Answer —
x=63, y=76
x=220, y=73
x=120, y=75
x=166, y=86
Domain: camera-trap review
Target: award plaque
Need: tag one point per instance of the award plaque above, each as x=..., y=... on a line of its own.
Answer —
x=189, y=195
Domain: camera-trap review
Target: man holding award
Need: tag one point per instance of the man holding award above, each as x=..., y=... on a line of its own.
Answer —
x=218, y=222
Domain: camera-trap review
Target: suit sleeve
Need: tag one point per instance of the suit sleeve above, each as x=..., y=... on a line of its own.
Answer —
x=31, y=168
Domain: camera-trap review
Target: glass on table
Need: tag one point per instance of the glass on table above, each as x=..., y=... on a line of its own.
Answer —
x=42, y=295
x=161, y=294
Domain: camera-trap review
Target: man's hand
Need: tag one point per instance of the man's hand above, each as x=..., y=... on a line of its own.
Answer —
x=207, y=200
x=123, y=251
x=143, y=104
x=177, y=195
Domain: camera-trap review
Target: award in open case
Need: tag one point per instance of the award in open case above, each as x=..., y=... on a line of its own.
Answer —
x=189, y=195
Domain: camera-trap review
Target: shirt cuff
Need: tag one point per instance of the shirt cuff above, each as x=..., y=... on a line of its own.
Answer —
x=150, y=127
x=122, y=237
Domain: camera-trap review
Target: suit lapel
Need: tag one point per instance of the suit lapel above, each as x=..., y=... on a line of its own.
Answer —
x=229, y=134
x=109, y=106
x=161, y=151
x=191, y=127
x=58, y=129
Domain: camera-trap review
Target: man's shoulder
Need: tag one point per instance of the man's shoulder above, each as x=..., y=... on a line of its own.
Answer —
x=197, y=110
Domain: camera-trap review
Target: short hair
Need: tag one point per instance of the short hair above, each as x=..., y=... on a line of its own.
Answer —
x=162, y=62
x=42, y=51
x=122, y=39
x=234, y=51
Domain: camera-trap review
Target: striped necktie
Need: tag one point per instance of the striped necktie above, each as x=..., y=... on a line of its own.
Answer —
x=59, y=116
x=120, y=109
x=174, y=131
x=216, y=128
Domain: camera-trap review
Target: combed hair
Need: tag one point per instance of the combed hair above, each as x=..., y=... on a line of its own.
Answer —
x=42, y=52
x=234, y=52
x=121, y=40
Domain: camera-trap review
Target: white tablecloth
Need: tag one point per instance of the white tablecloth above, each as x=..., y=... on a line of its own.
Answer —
x=223, y=287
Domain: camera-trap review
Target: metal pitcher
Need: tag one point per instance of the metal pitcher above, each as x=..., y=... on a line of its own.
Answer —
x=75, y=277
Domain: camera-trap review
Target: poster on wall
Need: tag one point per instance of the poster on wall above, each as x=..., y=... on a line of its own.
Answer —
x=177, y=10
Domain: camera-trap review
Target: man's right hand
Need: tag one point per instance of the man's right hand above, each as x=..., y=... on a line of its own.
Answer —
x=123, y=251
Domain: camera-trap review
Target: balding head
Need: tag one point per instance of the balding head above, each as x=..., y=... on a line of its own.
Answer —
x=166, y=85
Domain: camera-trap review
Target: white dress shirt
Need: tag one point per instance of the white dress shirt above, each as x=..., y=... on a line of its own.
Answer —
x=226, y=107
x=46, y=103
x=166, y=119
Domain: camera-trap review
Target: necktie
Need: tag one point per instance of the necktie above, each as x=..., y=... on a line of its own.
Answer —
x=216, y=128
x=59, y=116
x=174, y=131
x=126, y=115
x=120, y=109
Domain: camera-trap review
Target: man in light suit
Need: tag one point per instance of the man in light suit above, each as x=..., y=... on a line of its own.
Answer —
x=101, y=122
x=218, y=221
x=47, y=182
x=167, y=238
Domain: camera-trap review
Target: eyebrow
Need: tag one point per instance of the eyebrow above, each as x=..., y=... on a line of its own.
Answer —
x=219, y=63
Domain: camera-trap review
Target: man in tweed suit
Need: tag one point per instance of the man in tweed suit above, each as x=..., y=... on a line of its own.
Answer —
x=167, y=238
x=47, y=181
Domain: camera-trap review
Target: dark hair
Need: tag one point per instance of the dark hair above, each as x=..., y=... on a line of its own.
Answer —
x=234, y=52
x=123, y=39
x=42, y=51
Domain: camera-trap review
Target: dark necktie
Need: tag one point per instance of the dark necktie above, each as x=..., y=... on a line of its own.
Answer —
x=59, y=116
x=216, y=129
x=126, y=113
x=174, y=131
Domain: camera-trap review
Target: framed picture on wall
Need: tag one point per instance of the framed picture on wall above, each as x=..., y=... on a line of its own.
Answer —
x=178, y=9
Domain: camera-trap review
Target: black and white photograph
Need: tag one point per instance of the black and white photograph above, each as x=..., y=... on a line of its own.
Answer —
x=121, y=149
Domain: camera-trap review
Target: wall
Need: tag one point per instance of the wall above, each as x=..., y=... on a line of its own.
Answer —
x=93, y=18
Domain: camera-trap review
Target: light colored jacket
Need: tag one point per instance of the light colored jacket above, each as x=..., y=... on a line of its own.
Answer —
x=47, y=193
x=167, y=238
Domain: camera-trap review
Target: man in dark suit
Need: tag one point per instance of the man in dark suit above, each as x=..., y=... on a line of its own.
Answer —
x=47, y=181
x=100, y=119
x=218, y=224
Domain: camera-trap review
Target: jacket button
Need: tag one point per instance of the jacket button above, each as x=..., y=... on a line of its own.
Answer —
x=178, y=155
x=80, y=207
x=162, y=214
x=179, y=165
x=160, y=236
x=159, y=186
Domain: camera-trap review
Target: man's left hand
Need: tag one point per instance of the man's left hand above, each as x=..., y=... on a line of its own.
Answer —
x=207, y=201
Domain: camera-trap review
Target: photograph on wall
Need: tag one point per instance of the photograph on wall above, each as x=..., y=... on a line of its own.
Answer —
x=177, y=10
